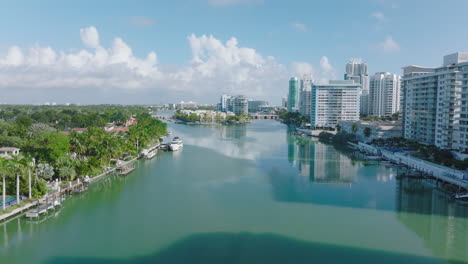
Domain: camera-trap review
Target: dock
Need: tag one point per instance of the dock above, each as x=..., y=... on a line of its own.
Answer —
x=126, y=170
x=36, y=208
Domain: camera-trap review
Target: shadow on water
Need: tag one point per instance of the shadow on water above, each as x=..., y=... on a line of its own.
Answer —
x=230, y=248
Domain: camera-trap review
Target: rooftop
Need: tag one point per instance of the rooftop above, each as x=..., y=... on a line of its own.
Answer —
x=9, y=149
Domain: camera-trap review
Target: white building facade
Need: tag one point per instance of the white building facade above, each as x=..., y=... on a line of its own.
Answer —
x=435, y=103
x=240, y=105
x=357, y=71
x=334, y=102
x=305, y=96
x=384, y=94
x=224, y=102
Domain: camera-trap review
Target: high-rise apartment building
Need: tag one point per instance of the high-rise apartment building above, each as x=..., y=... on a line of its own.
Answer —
x=240, y=105
x=256, y=105
x=384, y=94
x=293, y=96
x=435, y=103
x=225, y=102
x=305, y=96
x=356, y=70
x=333, y=102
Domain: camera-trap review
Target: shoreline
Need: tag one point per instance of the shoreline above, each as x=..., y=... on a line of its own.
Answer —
x=22, y=210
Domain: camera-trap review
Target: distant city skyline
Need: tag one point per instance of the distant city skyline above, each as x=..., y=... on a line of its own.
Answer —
x=154, y=52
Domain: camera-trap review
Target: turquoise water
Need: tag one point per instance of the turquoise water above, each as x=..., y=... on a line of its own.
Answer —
x=247, y=194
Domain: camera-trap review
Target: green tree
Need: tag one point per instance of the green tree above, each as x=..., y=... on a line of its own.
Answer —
x=3, y=171
x=355, y=127
x=367, y=131
x=45, y=171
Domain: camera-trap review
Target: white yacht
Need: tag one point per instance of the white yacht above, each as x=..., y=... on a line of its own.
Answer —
x=176, y=144
x=152, y=153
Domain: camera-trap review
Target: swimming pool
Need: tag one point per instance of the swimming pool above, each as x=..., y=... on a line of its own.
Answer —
x=10, y=200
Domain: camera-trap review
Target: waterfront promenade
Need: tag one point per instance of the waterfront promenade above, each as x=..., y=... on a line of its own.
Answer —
x=446, y=174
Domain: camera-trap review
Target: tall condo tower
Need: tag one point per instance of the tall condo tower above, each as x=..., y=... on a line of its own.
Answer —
x=356, y=70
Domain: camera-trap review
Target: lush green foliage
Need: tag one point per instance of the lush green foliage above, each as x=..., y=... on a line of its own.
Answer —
x=293, y=118
x=34, y=129
x=427, y=152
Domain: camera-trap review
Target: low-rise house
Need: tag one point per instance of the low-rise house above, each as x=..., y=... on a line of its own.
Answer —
x=7, y=152
x=378, y=129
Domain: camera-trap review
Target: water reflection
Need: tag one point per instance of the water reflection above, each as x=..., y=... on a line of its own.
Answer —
x=320, y=162
x=237, y=141
x=442, y=226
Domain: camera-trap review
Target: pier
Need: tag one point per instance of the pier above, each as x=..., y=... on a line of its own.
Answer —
x=426, y=169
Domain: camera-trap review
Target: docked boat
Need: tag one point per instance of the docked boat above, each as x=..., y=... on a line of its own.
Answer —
x=151, y=154
x=169, y=133
x=164, y=147
x=144, y=153
x=176, y=144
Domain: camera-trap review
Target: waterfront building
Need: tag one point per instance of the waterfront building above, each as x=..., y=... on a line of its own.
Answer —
x=384, y=94
x=183, y=105
x=357, y=71
x=377, y=129
x=256, y=105
x=435, y=106
x=293, y=96
x=240, y=105
x=7, y=152
x=225, y=102
x=334, y=102
x=305, y=96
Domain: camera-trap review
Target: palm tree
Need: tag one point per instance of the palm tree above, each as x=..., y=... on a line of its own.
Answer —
x=355, y=127
x=28, y=165
x=3, y=171
x=17, y=168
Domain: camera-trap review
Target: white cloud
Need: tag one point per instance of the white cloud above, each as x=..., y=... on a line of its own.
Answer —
x=322, y=74
x=232, y=2
x=141, y=21
x=389, y=45
x=98, y=74
x=300, y=27
x=379, y=16
x=90, y=37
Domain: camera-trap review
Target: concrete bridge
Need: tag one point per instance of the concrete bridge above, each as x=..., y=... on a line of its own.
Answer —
x=261, y=116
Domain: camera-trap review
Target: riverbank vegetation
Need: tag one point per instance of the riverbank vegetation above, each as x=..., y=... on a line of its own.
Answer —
x=339, y=139
x=430, y=153
x=65, y=143
x=291, y=118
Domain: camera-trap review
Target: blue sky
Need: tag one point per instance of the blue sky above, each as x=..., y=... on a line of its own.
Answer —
x=274, y=39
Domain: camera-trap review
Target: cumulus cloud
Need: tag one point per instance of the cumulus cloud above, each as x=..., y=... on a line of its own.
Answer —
x=98, y=74
x=90, y=37
x=389, y=45
x=300, y=27
x=215, y=67
x=321, y=74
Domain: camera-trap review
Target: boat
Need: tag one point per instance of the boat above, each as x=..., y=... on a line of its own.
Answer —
x=164, y=147
x=169, y=133
x=151, y=154
x=176, y=144
x=143, y=153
